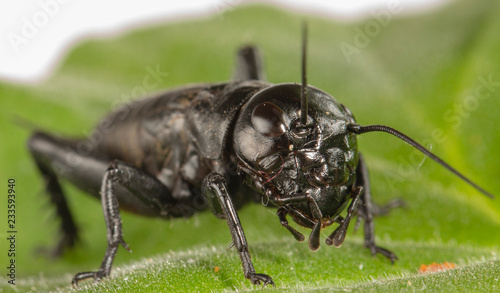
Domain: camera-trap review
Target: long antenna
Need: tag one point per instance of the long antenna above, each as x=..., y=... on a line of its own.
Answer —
x=359, y=129
x=303, y=96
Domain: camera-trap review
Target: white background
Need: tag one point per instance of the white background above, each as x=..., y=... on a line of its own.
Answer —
x=34, y=34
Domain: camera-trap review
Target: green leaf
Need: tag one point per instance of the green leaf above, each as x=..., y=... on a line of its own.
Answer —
x=434, y=76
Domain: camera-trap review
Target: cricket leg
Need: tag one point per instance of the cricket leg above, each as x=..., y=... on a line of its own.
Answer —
x=51, y=156
x=338, y=236
x=215, y=190
x=145, y=189
x=248, y=64
x=365, y=211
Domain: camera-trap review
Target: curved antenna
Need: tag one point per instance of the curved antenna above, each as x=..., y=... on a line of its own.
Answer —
x=303, y=96
x=359, y=129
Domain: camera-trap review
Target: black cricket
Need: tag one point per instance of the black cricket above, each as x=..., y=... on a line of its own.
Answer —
x=221, y=146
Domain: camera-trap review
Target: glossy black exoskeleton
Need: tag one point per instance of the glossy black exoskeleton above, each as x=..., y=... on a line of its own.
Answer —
x=220, y=146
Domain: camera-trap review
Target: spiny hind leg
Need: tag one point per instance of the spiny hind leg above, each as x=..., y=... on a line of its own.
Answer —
x=53, y=159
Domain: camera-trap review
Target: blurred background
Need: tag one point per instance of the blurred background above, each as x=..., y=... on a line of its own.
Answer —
x=427, y=68
x=37, y=33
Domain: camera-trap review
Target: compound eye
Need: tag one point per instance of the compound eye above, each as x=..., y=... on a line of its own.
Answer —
x=267, y=119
